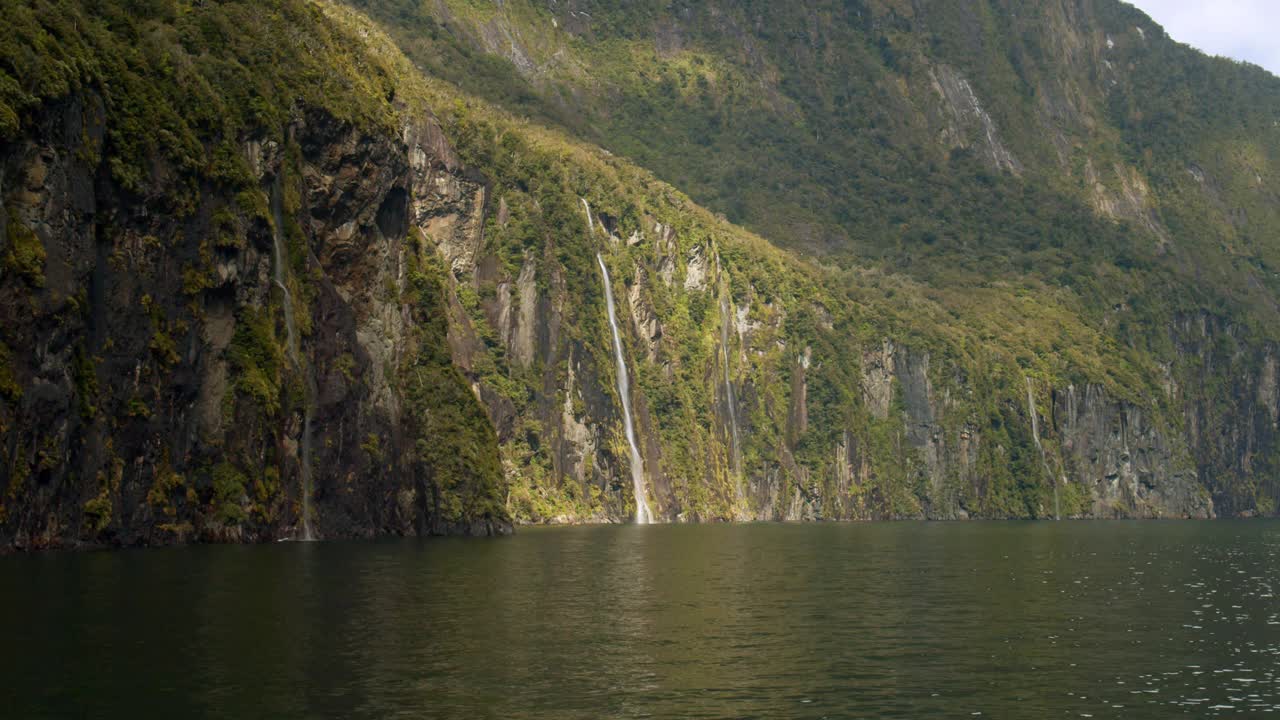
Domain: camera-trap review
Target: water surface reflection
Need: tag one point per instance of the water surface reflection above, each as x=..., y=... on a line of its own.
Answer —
x=886, y=620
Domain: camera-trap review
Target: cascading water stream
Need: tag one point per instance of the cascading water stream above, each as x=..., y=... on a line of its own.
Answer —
x=591, y=226
x=643, y=515
x=1035, y=435
x=725, y=320
x=291, y=335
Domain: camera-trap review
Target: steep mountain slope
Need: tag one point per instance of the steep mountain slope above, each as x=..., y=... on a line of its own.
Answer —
x=1068, y=148
x=260, y=272
x=833, y=126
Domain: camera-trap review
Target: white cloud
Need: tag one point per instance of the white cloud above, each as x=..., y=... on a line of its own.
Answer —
x=1239, y=29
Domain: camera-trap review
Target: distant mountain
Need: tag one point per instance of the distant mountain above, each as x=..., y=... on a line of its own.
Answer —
x=271, y=268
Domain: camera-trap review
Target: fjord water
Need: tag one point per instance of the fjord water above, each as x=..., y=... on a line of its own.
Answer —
x=1072, y=619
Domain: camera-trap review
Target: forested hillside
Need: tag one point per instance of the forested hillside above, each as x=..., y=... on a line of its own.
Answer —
x=275, y=268
x=1067, y=153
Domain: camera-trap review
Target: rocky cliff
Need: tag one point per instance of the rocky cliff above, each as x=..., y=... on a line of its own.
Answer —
x=244, y=353
x=265, y=277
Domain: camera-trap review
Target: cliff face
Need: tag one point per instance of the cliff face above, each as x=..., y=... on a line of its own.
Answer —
x=155, y=398
x=369, y=303
x=266, y=362
x=892, y=433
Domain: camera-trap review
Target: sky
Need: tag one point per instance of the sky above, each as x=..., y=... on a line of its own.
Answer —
x=1239, y=29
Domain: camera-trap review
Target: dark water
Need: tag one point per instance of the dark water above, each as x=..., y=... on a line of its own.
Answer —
x=1101, y=620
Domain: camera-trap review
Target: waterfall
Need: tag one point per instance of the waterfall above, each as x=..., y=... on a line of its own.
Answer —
x=291, y=333
x=643, y=516
x=591, y=226
x=725, y=320
x=1044, y=461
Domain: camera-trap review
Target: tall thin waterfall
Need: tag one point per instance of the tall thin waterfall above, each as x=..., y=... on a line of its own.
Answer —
x=1044, y=461
x=291, y=330
x=591, y=226
x=725, y=320
x=643, y=516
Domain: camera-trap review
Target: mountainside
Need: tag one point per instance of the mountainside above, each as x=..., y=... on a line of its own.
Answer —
x=268, y=271
x=847, y=128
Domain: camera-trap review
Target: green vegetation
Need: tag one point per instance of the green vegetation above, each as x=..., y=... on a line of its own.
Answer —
x=24, y=255
x=455, y=448
x=98, y=510
x=823, y=135
x=86, y=378
x=183, y=82
x=266, y=493
x=1133, y=207
x=167, y=482
x=10, y=389
x=839, y=152
x=229, y=494
x=257, y=360
x=540, y=176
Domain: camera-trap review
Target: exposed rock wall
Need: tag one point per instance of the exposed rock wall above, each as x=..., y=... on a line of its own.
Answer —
x=158, y=405
x=916, y=438
x=151, y=398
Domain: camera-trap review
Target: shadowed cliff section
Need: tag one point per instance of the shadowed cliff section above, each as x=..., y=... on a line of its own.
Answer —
x=151, y=396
